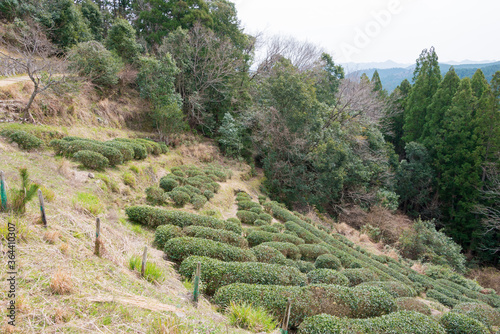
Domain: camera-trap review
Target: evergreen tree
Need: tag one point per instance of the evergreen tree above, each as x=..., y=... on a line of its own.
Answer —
x=441, y=102
x=478, y=83
x=458, y=164
x=377, y=85
x=427, y=77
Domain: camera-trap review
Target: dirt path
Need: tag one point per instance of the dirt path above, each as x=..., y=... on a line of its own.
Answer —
x=13, y=80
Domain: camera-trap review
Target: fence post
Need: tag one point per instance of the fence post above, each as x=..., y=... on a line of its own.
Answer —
x=97, y=250
x=286, y=319
x=143, y=265
x=196, y=291
x=42, y=208
x=3, y=191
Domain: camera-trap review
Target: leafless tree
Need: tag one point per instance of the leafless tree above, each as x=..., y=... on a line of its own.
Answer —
x=491, y=193
x=304, y=56
x=34, y=55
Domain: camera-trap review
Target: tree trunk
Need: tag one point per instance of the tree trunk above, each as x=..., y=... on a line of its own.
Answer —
x=27, y=113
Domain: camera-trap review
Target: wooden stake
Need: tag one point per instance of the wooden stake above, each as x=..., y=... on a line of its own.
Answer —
x=286, y=319
x=144, y=256
x=196, y=291
x=42, y=208
x=3, y=191
x=97, y=236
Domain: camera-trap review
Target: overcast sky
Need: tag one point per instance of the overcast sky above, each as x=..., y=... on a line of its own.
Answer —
x=379, y=30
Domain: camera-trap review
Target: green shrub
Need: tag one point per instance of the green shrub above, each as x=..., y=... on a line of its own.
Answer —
x=269, y=228
x=309, y=300
x=151, y=146
x=25, y=140
x=311, y=252
x=456, y=323
x=243, y=196
x=92, y=160
x=256, y=210
x=198, y=201
x=125, y=149
x=442, y=298
x=226, y=237
x=164, y=233
x=266, y=217
x=180, y=198
x=413, y=304
x=289, y=250
x=234, y=225
x=247, y=205
x=424, y=242
x=305, y=266
x=247, y=217
x=112, y=154
x=268, y=254
x=328, y=261
x=308, y=237
x=121, y=39
x=360, y=275
x=255, y=319
x=327, y=276
x=397, y=322
x=260, y=222
x=395, y=289
x=92, y=60
x=155, y=196
x=208, y=194
x=484, y=313
x=150, y=216
x=180, y=248
x=188, y=189
x=140, y=151
x=257, y=237
x=216, y=274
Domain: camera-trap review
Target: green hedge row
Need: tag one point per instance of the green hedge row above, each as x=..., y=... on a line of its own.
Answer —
x=215, y=273
x=442, y=298
x=268, y=254
x=153, y=217
x=24, y=140
x=395, y=323
x=395, y=289
x=360, y=275
x=247, y=217
x=308, y=237
x=456, y=323
x=178, y=249
x=486, y=314
x=309, y=300
x=91, y=159
x=489, y=299
x=327, y=276
x=413, y=304
x=328, y=261
x=226, y=237
x=288, y=249
x=305, y=266
x=257, y=237
x=310, y=252
x=164, y=233
x=247, y=205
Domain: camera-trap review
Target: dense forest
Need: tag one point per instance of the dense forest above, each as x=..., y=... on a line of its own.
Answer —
x=430, y=148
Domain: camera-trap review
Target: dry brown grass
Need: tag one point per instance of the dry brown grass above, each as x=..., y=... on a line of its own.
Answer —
x=61, y=283
x=204, y=152
x=64, y=248
x=64, y=168
x=488, y=277
x=51, y=236
x=8, y=329
x=392, y=225
x=419, y=268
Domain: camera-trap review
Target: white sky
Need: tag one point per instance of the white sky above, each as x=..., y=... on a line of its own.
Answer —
x=351, y=31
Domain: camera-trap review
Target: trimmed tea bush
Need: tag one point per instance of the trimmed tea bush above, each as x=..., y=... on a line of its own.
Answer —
x=234, y=225
x=289, y=250
x=219, y=235
x=140, y=151
x=269, y=228
x=155, y=196
x=456, y=323
x=309, y=300
x=125, y=149
x=395, y=289
x=305, y=266
x=247, y=217
x=260, y=222
x=266, y=217
x=257, y=237
x=215, y=273
x=150, y=216
x=482, y=312
x=327, y=276
x=359, y=275
x=198, y=201
x=442, y=298
x=180, y=198
x=164, y=233
x=328, y=261
x=247, y=205
x=413, y=304
x=268, y=254
x=394, y=323
x=180, y=248
x=311, y=252
x=24, y=140
x=167, y=183
x=92, y=160
x=308, y=237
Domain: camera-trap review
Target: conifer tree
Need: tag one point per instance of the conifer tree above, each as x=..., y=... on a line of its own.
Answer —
x=427, y=77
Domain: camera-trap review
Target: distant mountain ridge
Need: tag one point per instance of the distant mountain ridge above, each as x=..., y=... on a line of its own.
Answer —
x=392, y=77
